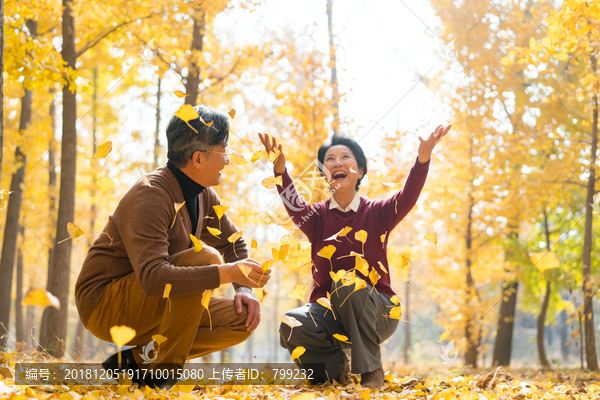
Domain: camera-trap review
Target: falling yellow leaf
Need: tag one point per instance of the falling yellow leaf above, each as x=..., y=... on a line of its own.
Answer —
x=266, y=265
x=121, y=335
x=382, y=267
x=261, y=294
x=197, y=244
x=271, y=181
x=395, y=299
x=374, y=278
x=432, y=237
x=238, y=159
x=219, y=211
x=105, y=183
x=254, y=244
x=327, y=252
x=42, y=298
x=390, y=184
x=298, y=351
x=446, y=333
x=166, y=294
x=233, y=238
x=275, y=253
x=396, y=312
x=187, y=113
x=273, y=155
x=232, y=113
x=159, y=338
x=4, y=196
x=291, y=322
x=177, y=208
x=338, y=275
x=325, y=302
x=358, y=284
x=382, y=237
x=544, y=261
x=180, y=94
x=303, y=245
x=75, y=232
x=103, y=150
x=298, y=292
x=286, y=110
x=342, y=233
x=341, y=338
x=361, y=265
x=206, y=296
x=361, y=236
x=214, y=231
x=284, y=251
x=145, y=179
x=306, y=268
x=246, y=269
x=256, y=156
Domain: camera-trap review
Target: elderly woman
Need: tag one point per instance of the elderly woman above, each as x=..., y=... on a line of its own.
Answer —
x=364, y=316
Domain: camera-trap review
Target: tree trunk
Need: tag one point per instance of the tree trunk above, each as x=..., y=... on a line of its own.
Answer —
x=407, y=323
x=1, y=90
x=333, y=65
x=80, y=339
x=471, y=335
x=157, y=130
x=11, y=227
x=29, y=324
x=55, y=329
x=192, y=81
x=588, y=307
x=52, y=177
x=19, y=297
x=541, y=322
x=564, y=337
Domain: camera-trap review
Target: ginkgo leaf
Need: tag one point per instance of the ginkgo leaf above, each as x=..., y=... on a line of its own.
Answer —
x=271, y=181
x=395, y=299
x=544, y=261
x=404, y=267
x=186, y=113
x=105, y=183
x=396, y=312
x=431, y=236
x=177, y=208
x=220, y=211
x=342, y=233
x=298, y=292
x=166, y=294
x=303, y=245
x=209, y=124
x=361, y=265
x=382, y=267
x=254, y=244
x=275, y=254
x=206, y=296
x=75, y=232
x=291, y=322
x=374, y=278
x=338, y=275
x=233, y=238
x=298, y=351
x=246, y=269
x=306, y=268
x=158, y=338
x=232, y=113
x=42, y=298
x=261, y=294
x=446, y=333
x=266, y=265
x=382, y=237
x=238, y=159
x=361, y=236
x=341, y=338
x=121, y=335
x=256, y=156
x=197, y=244
x=4, y=198
x=273, y=155
x=327, y=252
x=284, y=251
x=103, y=150
x=180, y=94
x=358, y=284
x=145, y=179
x=214, y=231
x=286, y=110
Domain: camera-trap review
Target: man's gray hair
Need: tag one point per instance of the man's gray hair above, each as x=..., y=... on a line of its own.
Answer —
x=183, y=142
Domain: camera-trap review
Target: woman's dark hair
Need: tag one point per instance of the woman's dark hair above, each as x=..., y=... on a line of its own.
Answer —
x=350, y=143
x=183, y=142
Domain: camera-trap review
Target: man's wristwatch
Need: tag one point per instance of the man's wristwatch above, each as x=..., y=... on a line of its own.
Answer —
x=244, y=288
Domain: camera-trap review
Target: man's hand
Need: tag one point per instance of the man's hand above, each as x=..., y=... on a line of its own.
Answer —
x=279, y=164
x=426, y=146
x=245, y=297
x=255, y=278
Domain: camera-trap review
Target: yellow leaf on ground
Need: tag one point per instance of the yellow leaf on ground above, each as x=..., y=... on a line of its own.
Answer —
x=103, y=150
x=232, y=113
x=187, y=113
x=121, y=335
x=432, y=237
x=298, y=351
x=305, y=396
x=42, y=298
x=197, y=244
x=180, y=94
x=298, y=292
x=286, y=110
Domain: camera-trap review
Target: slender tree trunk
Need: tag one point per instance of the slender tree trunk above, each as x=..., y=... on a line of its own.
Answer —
x=55, y=330
x=471, y=334
x=407, y=323
x=19, y=296
x=29, y=323
x=564, y=337
x=541, y=322
x=1, y=89
x=11, y=227
x=80, y=339
x=157, y=130
x=193, y=79
x=588, y=307
x=333, y=65
x=52, y=177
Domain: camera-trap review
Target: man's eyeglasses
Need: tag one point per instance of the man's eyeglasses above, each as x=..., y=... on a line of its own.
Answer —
x=226, y=153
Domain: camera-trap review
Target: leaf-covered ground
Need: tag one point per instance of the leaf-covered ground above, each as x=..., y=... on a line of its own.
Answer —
x=407, y=382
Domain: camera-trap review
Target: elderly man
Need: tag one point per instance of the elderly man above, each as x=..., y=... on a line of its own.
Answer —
x=144, y=270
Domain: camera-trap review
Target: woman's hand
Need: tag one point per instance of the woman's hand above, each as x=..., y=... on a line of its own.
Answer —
x=279, y=164
x=426, y=146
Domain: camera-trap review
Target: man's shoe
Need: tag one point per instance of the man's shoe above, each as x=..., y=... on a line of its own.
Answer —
x=127, y=363
x=373, y=379
x=344, y=375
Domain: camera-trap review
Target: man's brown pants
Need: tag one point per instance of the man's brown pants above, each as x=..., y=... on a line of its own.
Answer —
x=183, y=322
